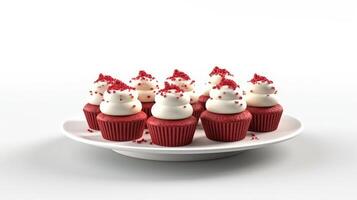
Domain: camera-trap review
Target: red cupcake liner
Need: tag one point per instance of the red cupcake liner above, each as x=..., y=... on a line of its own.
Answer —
x=197, y=110
x=265, y=119
x=226, y=128
x=91, y=112
x=121, y=128
x=147, y=109
x=203, y=99
x=172, y=133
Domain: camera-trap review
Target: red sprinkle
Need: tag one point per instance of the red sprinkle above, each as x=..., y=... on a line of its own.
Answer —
x=105, y=78
x=220, y=71
x=179, y=74
x=169, y=86
x=258, y=78
x=119, y=85
x=228, y=82
x=90, y=130
x=142, y=75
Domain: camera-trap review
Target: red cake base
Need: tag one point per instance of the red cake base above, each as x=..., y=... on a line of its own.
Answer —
x=147, y=108
x=265, y=119
x=197, y=110
x=91, y=112
x=122, y=128
x=226, y=128
x=202, y=99
x=172, y=133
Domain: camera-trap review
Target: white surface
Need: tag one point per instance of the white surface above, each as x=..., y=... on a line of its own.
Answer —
x=200, y=148
x=50, y=52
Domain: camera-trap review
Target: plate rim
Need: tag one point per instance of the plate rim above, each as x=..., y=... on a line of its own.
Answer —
x=183, y=149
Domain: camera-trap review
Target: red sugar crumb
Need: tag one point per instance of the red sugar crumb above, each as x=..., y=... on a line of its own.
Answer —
x=169, y=86
x=104, y=78
x=179, y=74
x=220, y=71
x=90, y=130
x=142, y=75
x=254, y=137
x=119, y=85
x=228, y=82
x=257, y=78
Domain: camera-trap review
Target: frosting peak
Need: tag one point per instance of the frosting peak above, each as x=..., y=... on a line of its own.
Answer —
x=179, y=74
x=184, y=82
x=104, y=78
x=257, y=78
x=146, y=85
x=262, y=92
x=172, y=103
x=216, y=77
x=98, y=88
x=227, y=82
x=120, y=100
x=226, y=98
x=220, y=71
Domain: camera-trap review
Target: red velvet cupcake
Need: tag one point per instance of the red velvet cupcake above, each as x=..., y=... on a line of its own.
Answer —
x=263, y=105
x=146, y=85
x=184, y=82
x=172, y=123
x=226, y=119
x=91, y=109
x=215, y=77
x=121, y=118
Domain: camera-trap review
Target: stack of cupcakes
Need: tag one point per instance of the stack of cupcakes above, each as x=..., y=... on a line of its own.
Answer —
x=121, y=112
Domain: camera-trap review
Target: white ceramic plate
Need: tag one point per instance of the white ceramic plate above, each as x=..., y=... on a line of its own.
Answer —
x=200, y=149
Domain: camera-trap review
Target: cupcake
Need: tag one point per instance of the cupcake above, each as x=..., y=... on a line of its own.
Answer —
x=263, y=104
x=146, y=85
x=226, y=118
x=121, y=118
x=91, y=109
x=184, y=82
x=215, y=77
x=172, y=123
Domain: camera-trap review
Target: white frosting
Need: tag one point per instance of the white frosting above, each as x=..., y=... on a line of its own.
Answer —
x=172, y=106
x=213, y=81
x=120, y=103
x=261, y=94
x=96, y=92
x=226, y=101
x=146, y=88
x=188, y=86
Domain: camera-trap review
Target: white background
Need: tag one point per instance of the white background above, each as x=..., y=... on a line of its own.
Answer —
x=50, y=52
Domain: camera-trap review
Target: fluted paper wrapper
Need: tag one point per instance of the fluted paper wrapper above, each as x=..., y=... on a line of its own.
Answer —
x=172, y=133
x=265, y=119
x=117, y=128
x=226, y=128
x=91, y=112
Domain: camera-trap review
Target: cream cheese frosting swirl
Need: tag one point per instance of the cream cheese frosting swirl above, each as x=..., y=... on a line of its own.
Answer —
x=146, y=85
x=216, y=76
x=226, y=98
x=184, y=82
x=262, y=92
x=98, y=88
x=172, y=103
x=120, y=100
